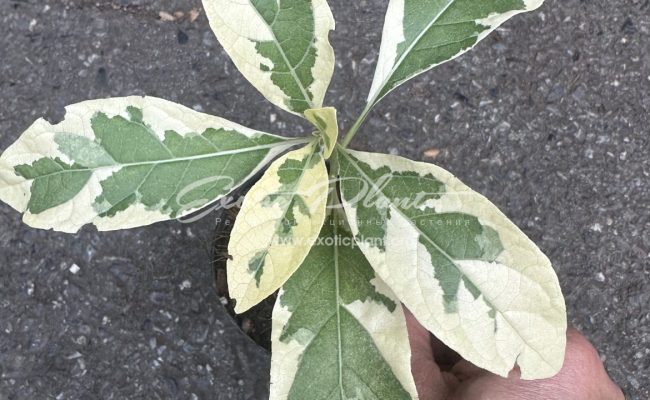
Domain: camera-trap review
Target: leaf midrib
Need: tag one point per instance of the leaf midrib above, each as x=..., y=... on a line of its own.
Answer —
x=410, y=48
x=287, y=143
x=338, y=305
x=379, y=189
x=292, y=71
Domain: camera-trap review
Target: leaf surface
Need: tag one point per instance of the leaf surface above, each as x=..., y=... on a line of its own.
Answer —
x=467, y=273
x=421, y=34
x=280, y=46
x=338, y=331
x=279, y=221
x=324, y=119
x=126, y=162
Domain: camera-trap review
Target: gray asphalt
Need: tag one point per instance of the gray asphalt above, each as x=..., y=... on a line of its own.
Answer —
x=549, y=118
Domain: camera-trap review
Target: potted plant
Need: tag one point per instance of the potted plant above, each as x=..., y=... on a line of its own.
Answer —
x=345, y=238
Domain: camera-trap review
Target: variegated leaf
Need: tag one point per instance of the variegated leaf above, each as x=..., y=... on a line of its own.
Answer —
x=280, y=46
x=420, y=34
x=467, y=273
x=279, y=221
x=126, y=162
x=324, y=119
x=338, y=331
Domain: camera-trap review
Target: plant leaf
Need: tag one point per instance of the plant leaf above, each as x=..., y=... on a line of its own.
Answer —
x=421, y=34
x=126, y=162
x=324, y=119
x=467, y=273
x=277, y=225
x=280, y=46
x=338, y=331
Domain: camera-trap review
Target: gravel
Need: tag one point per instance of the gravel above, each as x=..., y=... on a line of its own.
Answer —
x=548, y=117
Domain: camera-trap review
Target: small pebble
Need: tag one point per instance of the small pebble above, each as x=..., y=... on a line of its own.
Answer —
x=74, y=269
x=194, y=14
x=432, y=153
x=185, y=285
x=165, y=16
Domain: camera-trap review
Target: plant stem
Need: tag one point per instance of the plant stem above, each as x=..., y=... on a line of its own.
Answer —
x=357, y=124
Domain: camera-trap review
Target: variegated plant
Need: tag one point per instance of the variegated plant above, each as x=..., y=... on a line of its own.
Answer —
x=346, y=237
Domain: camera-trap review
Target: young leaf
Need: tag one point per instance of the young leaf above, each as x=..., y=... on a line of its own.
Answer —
x=126, y=162
x=277, y=225
x=280, y=46
x=324, y=119
x=338, y=331
x=420, y=34
x=467, y=273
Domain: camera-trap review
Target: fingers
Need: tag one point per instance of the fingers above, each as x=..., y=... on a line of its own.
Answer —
x=445, y=357
x=432, y=384
x=582, y=377
x=583, y=367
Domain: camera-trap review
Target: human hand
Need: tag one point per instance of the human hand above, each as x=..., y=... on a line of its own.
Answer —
x=440, y=374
